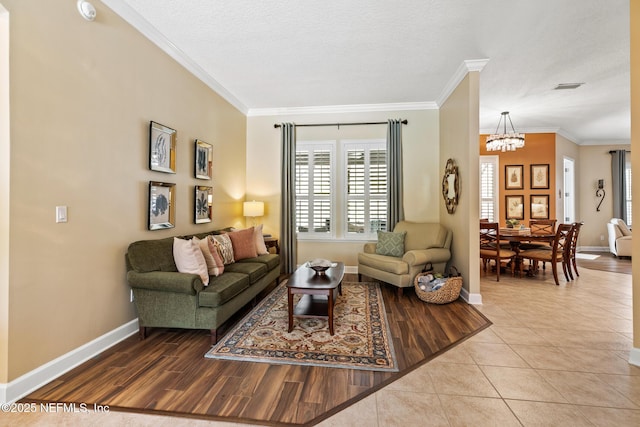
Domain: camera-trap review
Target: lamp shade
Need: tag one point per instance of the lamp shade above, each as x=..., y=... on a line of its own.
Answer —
x=253, y=208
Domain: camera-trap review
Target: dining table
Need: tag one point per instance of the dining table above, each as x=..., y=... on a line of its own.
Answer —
x=517, y=236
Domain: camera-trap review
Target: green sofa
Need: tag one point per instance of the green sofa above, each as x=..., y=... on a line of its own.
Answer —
x=168, y=299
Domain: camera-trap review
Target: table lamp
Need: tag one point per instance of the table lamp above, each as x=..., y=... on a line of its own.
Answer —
x=253, y=209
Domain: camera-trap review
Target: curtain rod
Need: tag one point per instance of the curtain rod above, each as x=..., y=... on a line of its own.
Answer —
x=614, y=151
x=404, y=122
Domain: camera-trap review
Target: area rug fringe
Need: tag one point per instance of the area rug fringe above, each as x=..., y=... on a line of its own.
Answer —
x=361, y=341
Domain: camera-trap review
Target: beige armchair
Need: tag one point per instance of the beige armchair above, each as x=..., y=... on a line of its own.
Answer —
x=619, y=237
x=423, y=243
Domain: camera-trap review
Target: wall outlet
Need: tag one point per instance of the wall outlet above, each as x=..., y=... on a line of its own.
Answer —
x=602, y=237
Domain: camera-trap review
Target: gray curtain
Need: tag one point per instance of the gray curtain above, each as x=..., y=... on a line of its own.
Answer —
x=395, y=204
x=618, y=164
x=288, y=242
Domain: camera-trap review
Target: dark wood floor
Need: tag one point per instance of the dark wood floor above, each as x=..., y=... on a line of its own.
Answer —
x=606, y=262
x=168, y=374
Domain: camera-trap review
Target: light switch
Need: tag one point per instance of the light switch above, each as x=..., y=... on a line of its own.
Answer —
x=61, y=214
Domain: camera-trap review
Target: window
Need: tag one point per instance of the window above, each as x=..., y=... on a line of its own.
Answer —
x=489, y=188
x=366, y=188
x=627, y=196
x=314, y=188
x=356, y=211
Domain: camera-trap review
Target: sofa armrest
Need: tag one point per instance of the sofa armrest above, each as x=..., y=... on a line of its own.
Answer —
x=167, y=281
x=423, y=256
x=370, y=248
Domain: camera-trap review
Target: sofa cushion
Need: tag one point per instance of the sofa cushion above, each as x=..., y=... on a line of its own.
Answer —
x=383, y=262
x=255, y=270
x=189, y=258
x=271, y=260
x=391, y=244
x=152, y=255
x=243, y=243
x=225, y=248
x=222, y=288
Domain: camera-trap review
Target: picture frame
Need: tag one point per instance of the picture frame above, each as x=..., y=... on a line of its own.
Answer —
x=203, y=160
x=539, y=206
x=203, y=200
x=162, y=148
x=162, y=209
x=540, y=177
x=514, y=207
x=513, y=177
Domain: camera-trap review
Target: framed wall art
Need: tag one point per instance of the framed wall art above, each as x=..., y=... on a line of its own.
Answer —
x=514, y=207
x=162, y=148
x=202, y=205
x=162, y=210
x=513, y=177
x=540, y=177
x=203, y=160
x=539, y=206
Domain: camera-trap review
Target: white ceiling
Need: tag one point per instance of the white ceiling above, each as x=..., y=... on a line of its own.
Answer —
x=290, y=55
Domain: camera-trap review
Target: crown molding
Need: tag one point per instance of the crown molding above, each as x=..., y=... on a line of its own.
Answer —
x=465, y=68
x=354, y=108
x=149, y=31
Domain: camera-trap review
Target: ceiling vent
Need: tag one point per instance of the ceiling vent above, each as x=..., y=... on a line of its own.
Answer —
x=562, y=86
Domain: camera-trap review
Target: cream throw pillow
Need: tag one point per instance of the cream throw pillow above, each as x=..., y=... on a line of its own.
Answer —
x=189, y=258
x=261, y=248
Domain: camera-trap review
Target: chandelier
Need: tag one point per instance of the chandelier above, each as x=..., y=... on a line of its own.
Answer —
x=505, y=141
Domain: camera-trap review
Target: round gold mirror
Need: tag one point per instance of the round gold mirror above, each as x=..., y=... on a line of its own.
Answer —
x=451, y=186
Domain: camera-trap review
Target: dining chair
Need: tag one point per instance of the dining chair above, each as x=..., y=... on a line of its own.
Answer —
x=490, y=248
x=572, y=249
x=540, y=227
x=559, y=253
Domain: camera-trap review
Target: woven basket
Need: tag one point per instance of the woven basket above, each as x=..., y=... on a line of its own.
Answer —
x=449, y=292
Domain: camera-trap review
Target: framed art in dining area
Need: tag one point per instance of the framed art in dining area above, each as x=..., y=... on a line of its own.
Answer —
x=539, y=206
x=162, y=210
x=514, y=207
x=513, y=177
x=203, y=160
x=202, y=204
x=540, y=177
x=162, y=148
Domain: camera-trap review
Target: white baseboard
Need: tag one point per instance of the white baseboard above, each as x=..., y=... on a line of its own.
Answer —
x=475, y=299
x=22, y=386
x=634, y=356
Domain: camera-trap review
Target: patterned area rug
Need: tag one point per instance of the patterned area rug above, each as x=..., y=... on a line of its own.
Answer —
x=361, y=339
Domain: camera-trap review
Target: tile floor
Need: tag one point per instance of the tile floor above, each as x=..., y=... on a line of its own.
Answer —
x=555, y=356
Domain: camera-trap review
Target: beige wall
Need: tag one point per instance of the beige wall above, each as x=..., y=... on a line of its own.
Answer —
x=5, y=168
x=459, y=130
x=595, y=163
x=635, y=163
x=82, y=96
x=420, y=158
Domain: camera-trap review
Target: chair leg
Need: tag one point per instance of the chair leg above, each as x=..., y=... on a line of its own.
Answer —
x=554, y=267
x=498, y=266
x=575, y=267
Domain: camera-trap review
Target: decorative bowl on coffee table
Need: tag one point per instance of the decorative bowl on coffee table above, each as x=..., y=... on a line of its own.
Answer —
x=320, y=266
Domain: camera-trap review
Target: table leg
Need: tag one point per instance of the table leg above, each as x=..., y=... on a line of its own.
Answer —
x=330, y=309
x=290, y=297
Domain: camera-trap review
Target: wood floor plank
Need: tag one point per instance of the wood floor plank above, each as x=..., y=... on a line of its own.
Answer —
x=167, y=373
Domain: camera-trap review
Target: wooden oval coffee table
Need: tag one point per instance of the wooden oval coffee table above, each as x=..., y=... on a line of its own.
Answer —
x=319, y=292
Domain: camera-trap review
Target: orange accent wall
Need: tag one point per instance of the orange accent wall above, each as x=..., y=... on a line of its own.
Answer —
x=539, y=148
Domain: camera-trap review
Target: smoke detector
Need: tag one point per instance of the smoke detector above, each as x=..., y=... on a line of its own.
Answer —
x=86, y=9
